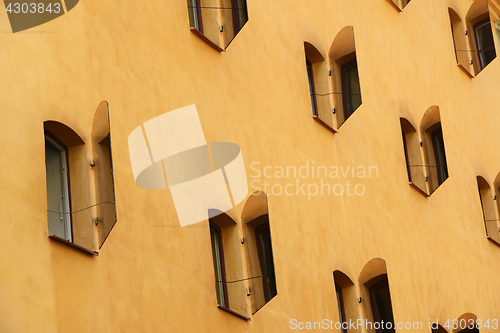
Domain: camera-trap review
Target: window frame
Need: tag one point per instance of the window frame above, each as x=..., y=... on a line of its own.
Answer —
x=440, y=168
x=237, y=18
x=407, y=157
x=384, y=281
x=345, y=104
x=213, y=225
x=68, y=228
x=312, y=88
x=195, y=8
x=476, y=26
x=258, y=230
x=340, y=300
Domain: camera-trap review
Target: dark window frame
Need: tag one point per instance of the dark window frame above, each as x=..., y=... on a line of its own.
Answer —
x=345, y=104
x=407, y=158
x=260, y=252
x=312, y=88
x=54, y=138
x=237, y=18
x=198, y=19
x=223, y=266
x=479, y=51
x=441, y=169
x=382, y=283
x=340, y=299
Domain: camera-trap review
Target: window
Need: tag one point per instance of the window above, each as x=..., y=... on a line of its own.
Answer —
x=484, y=42
x=380, y=299
x=345, y=76
x=351, y=92
x=58, y=200
x=488, y=208
x=312, y=92
x=103, y=173
x=219, y=268
x=440, y=156
x=217, y=22
x=462, y=55
x=407, y=158
x=340, y=305
x=481, y=48
x=265, y=250
x=240, y=15
x=195, y=15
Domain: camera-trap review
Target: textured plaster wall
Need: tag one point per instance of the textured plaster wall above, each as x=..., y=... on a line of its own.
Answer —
x=153, y=276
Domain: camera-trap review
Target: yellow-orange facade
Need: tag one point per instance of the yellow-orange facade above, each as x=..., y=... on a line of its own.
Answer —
x=368, y=135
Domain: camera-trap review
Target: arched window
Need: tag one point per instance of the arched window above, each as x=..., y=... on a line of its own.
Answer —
x=103, y=173
x=436, y=166
x=459, y=42
x=317, y=77
x=376, y=295
x=346, y=296
x=490, y=217
x=345, y=75
x=257, y=231
x=217, y=22
x=480, y=33
x=69, y=218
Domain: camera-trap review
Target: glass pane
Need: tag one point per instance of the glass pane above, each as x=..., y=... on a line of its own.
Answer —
x=353, y=90
x=216, y=255
x=268, y=265
x=382, y=299
x=340, y=307
x=57, y=191
x=485, y=43
x=311, y=87
x=442, y=168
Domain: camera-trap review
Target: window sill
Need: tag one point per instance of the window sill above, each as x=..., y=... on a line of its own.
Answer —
x=73, y=245
x=234, y=313
x=206, y=40
x=493, y=241
x=465, y=71
x=328, y=127
x=418, y=189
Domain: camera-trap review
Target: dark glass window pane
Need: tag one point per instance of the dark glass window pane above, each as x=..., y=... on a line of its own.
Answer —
x=381, y=307
x=485, y=43
x=263, y=235
x=441, y=166
x=218, y=270
x=351, y=90
x=310, y=77
x=340, y=305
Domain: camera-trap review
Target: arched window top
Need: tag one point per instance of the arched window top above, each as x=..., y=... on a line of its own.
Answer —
x=343, y=44
x=407, y=126
x=482, y=183
x=63, y=133
x=100, y=127
x=312, y=53
x=497, y=181
x=256, y=206
x=468, y=319
x=222, y=219
x=478, y=8
x=342, y=279
x=431, y=117
x=372, y=269
x=454, y=16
